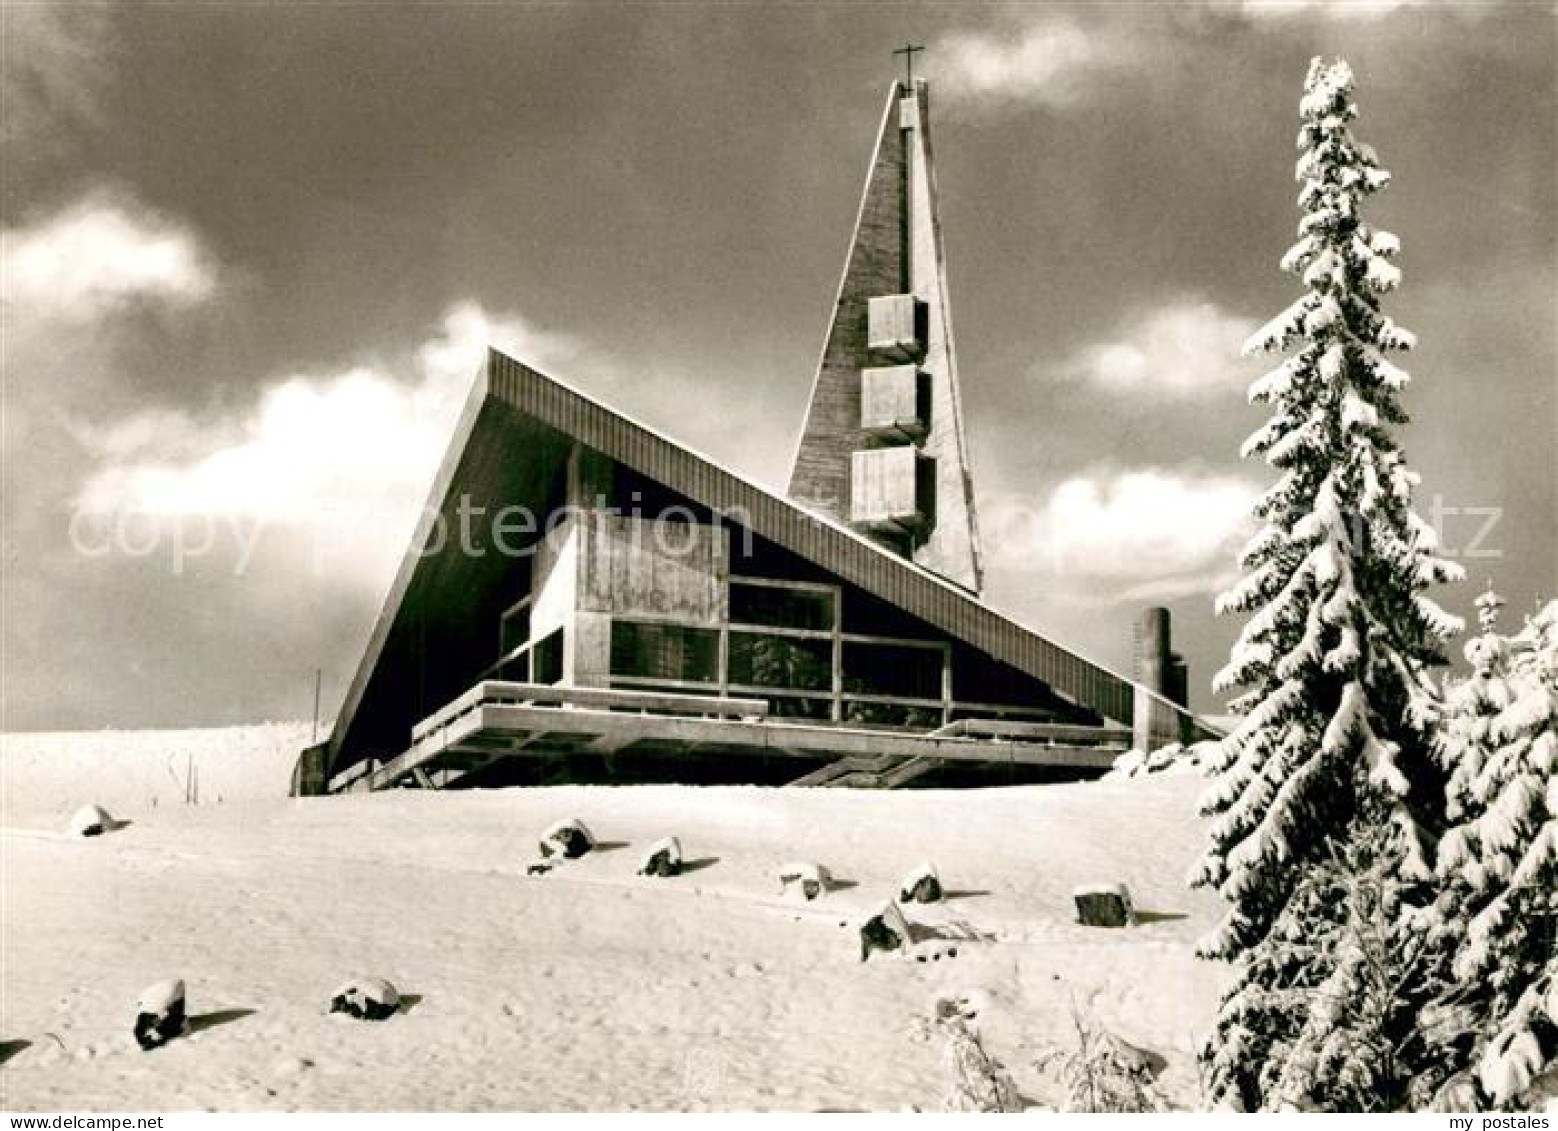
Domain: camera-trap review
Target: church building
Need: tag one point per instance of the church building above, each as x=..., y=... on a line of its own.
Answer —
x=654, y=615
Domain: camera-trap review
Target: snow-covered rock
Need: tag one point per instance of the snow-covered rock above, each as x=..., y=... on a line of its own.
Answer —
x=1104, y=905
x=809, y=879
x=921, y=885
x=367, y=999
x=90, y=820
x=664, y=858
x=887, y=930
x=567, y=838
x=159, y=1013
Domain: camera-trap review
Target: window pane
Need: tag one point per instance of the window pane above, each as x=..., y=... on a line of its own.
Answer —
x=780, y=661
x=889, y=669
x=548, y=658
x=664, y=651
x=890, y=714
x=788, y=707
x=782, y=608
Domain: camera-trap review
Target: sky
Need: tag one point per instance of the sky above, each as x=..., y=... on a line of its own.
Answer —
x=252, y=254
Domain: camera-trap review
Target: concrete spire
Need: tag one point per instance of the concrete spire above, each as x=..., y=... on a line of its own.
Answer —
x=883, y=447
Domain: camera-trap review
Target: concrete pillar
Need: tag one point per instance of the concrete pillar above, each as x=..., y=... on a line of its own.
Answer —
x=1156, y=651
x=1162, y=675
x=311, y=774
x=590, y=655
x=1179, y=680
x=1141, y=718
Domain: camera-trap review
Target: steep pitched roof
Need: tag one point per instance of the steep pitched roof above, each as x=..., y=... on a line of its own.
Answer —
x=514, y=425
x=896, y=249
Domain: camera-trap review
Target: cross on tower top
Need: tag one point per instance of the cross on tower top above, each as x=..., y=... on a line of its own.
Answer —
x=908, y=51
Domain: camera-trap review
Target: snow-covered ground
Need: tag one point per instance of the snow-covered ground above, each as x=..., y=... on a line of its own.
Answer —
x=147, y=769
x=586, y=988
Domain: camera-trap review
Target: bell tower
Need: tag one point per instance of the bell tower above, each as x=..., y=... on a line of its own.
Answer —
x=883, y=448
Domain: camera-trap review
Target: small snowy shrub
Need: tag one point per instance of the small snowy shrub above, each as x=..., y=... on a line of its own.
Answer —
x=1102, y=1073
x=976, y=1080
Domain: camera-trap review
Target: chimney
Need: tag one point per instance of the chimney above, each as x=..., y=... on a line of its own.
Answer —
x=1159, y=667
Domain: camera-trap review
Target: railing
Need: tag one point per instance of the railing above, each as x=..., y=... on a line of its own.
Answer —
x=597, y=698
x=1003, y=731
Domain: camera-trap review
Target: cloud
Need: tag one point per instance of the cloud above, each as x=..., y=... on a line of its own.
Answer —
x=1180, y=351
x=54, y=63
x=70, y=283
x=1277, y=14
x=1041, y=59
x=1356, y=10
x=332, y=466
x=1110, y=537
x=97, y=256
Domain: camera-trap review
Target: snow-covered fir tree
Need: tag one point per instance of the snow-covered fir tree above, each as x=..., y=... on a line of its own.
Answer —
x=1470, y=706
x=1328, y=780
x=1497, y=916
